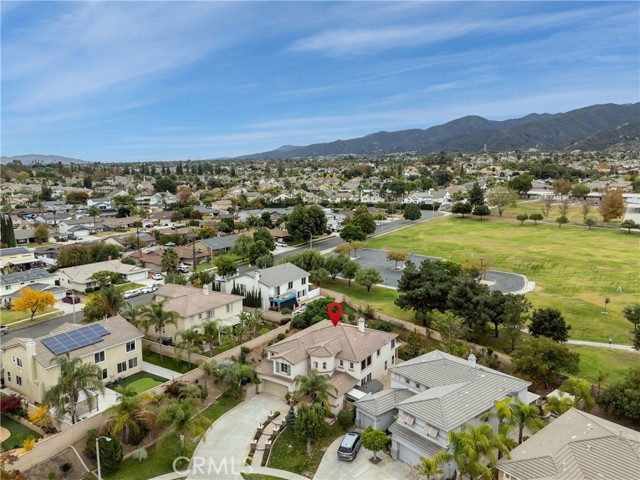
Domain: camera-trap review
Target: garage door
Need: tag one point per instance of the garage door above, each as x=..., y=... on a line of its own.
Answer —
x=407, y=455
x=273, y=388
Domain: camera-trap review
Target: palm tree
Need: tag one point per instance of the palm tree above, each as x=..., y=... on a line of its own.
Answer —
x=431, y=467
x=132, y=313
x=130, y=415
x=316, y=386
x=94, y=212
x=210, y=368
x=179, y=417
x=234, y=375
x=581, y=390
x=189, y=343
x=469, y=446
x=75, y=378
x=525, y=415
x=110, y=300
x=558, y=405
x=154, y=315
x=211, y=331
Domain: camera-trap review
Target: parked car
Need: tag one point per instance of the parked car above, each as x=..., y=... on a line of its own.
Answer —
x=131, y=293
x=157, y=276
x=4, y=329
x=348, y=449
x=149, y=289
x=71, y=299
x=281, y=243
x=183, y=269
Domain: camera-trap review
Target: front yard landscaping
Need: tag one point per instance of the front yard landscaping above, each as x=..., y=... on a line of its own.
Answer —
x=19, y=433
x=289, y=452
x=168, y=362
x=8, y=317
x=142, y=381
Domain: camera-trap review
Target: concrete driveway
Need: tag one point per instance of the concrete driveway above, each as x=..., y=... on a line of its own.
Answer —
x=388, y=469
x=221, y=453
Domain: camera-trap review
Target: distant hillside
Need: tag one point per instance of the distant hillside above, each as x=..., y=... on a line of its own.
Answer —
x=37, y=158
x=472, y=133
x=620, y=138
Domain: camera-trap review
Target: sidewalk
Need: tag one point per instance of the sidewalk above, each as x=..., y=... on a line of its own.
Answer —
x=160, y=371
x=613, y=346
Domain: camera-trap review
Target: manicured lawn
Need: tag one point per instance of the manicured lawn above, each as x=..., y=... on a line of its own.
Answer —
x=19, y=433
x=8, y=317
x=290, y=451
x=222, y=348
x=161, y=455
x=381, y=299
x=574, y=268
x=574, y=214
x=614, y=363
x=142, y=381
x=179, y=366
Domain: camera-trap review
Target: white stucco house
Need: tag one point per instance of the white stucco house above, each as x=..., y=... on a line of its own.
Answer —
x=281, y=286
x=349, y=355
x=432, y=395
x=79, y=278
x=431, y=197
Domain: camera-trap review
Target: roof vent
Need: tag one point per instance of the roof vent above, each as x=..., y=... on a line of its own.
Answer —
x=361, y=324
x=472, y=361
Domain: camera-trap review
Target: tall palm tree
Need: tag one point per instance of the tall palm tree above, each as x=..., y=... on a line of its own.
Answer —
x=132, y=313
x=581, y=390
x=154, y=315
x=316, y=386
x=110, y=300
x=189, y=343
x=75, y=378
x=130, y=415
x=210, y=369
x=472, y=449
x=211, y=332
x=179, y=417
x=431, y=467
x=525, y=415
x=234, y=375
x=559, y=405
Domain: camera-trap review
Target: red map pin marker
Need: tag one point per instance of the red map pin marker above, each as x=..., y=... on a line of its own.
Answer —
x=335, y=312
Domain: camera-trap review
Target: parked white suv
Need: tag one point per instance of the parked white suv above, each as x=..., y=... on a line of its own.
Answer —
x=281, y=243
x=157, y=276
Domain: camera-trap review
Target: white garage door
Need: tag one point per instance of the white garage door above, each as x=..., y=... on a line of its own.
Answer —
x=407, y=455
x=274, y=388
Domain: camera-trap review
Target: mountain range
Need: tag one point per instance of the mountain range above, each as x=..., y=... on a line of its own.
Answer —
x=596, y=127
x=37, y=158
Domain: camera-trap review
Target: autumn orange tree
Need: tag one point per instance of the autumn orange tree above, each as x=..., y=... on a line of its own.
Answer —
x=33, y=301
x=612, y=205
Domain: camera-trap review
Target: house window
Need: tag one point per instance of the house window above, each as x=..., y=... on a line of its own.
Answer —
x=122, y=367
x=341, y=363
x=385, y=364
x=104, y=374
x=431, y=431
x=303, y=281
x=99, y=357
x=133, y=362
x=19, y=362
x=315, y=365
x=350, y=365
x=277, y=291
x=378, y=354
x=229, y=307
x=324, y=365
x=131, y=346
x=407, y=381
x=290, y=285
x=408, y=420
x=210, y=314
x=393, y=343
x=8, y=376
x=286, y=369
x=19, y=380
x=393, y=359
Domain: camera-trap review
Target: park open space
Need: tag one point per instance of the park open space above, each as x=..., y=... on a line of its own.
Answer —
x=574, y=268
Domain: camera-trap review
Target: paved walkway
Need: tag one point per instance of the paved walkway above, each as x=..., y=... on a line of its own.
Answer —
x=274, y=472
x=160, y=371
x=613, y=346
x=633, y=212
x=222, y=452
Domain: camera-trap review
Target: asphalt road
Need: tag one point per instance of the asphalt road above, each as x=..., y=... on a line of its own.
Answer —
x=43, y=328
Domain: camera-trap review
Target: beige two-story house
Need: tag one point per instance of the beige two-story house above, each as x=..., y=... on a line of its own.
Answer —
x=349, y=355
x=195, y=306
x=113, y=344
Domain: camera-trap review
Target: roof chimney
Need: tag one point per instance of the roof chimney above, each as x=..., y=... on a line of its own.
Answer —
x=361, y=324
x=257, y=276
x=472, y=361
x=205, y=289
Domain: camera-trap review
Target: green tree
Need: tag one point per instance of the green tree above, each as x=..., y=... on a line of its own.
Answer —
x=502, y=197
x=412, y=212
x=481, y=211
x=632, y=313
x=253, y=321
x=559, y=405
x=264, y=261
x=352, y=232
x=580, y=190
x=333, y=263
x=461, y=208
x=523, y=217
x=364, y=220
x=101, y=252
x=581, y=391
x=319, y=276
x=235, y=375
x=75, y=378
x=622, y=398
x=561, y=220
x=515, y=317
x=241, y=246
x=154, y=315
x=349, y=270
x=165, y=184
x=451, y=327
x=225, y=266
x=309, y=423
x=521, y=183
x=472, y=301
x=471, y=447
x=549, y=322
x=258, y=249
x=170, y=260
x=541, y=359
x=562, y=186
x=104, y=278
x=111, y=454
x=7, y=233
x=211, y=333
x=41, y=233
x=132, y=313
x=308, y=260
x=189, y=343
x=263, y=234
x=103, y=304
x=131, y=417
x=305, y=219
x=397, y=256
x=590, y=222
x=180, y=417
x=374, y=440
x=629, y=224
x=525, y=415
x=431, y=468
x=476, y=195
x=77, y=197
x=368, y=277
x=316, y=386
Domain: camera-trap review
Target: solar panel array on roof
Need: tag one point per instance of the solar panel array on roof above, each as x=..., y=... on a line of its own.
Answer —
x=75, y=339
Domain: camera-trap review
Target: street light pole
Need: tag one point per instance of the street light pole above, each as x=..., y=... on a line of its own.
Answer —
x=98, y=453
x=73, y=302
x=482, y=268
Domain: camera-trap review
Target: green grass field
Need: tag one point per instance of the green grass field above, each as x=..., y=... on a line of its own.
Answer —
x=19, y=433
x=8, y=317
x=574, y=214
x=574, y=268
x=614, y=363
x=142, y=381
x=171, y=363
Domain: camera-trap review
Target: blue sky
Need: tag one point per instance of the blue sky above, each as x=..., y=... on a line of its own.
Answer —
x=144, y=81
